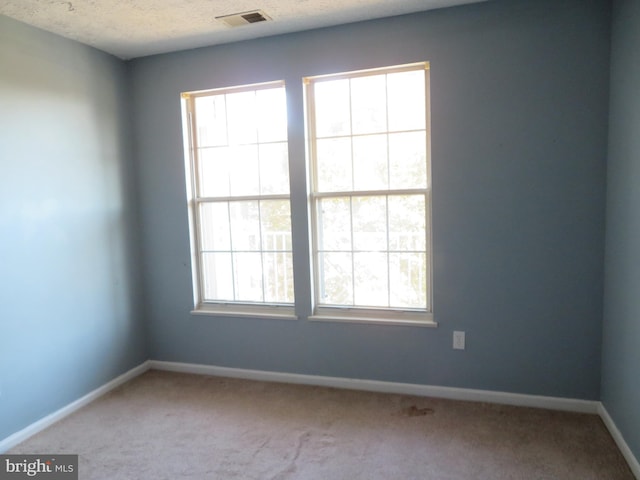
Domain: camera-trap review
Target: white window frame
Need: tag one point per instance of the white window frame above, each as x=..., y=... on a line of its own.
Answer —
x=219, y=308
x=398, y=316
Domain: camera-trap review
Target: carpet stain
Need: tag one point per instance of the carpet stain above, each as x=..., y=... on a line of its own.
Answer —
x=414, y=411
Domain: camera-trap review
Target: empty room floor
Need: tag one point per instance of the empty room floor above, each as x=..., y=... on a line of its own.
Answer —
x=164, y=425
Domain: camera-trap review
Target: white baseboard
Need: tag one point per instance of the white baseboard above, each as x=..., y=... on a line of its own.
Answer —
x=20, y=436
x=505, y=398
x=620, y=441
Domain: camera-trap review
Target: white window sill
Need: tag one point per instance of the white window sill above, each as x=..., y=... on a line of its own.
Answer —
x=246, y=311
x=409, y=320
x=326, y=315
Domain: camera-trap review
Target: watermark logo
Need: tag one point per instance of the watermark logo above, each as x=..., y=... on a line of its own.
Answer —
x=50, y=467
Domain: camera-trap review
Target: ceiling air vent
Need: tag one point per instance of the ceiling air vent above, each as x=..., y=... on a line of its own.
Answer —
x=244, y=18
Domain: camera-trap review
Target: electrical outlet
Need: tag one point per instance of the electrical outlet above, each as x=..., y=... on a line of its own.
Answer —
x=458, y=340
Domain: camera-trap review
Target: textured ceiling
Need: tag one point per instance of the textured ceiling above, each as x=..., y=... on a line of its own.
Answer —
x=135, y=28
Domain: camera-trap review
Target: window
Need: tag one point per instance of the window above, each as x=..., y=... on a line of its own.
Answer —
x=237, y=164
x=369, y=198
x=370, y=192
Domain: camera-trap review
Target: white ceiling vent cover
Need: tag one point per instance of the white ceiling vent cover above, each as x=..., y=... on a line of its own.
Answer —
x=244, y=18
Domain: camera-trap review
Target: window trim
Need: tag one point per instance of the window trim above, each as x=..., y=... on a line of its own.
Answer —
x=274, y=311
x=388, y=316
x=354, y=314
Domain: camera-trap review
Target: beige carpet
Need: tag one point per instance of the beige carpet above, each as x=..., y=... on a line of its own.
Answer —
x=174, y=426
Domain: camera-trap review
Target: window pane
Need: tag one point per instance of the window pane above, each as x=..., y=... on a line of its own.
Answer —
x=334, y=164
x=370, y=163
x=371, y=279
x=334, y=224
x=244, y=175
x=407, y=220
x=241, y=117
x=408, y=160
x=211, y=121
x=369, y=104
x=214, y=224
x=331, y=99
x=369, y=223
x=217, y=276
x=408, y=280
x=274, y=168
x=247, y=271
x=278, y=277
x=406, y=97
x=214, y=172
x=245, y=226
x=336, y=278
x=271, y=115
x=275, y=218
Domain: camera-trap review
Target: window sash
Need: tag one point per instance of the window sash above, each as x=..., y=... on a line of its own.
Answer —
x=388, y=250
x=268, y=258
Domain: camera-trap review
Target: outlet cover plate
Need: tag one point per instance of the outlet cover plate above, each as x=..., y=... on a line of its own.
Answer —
x=458, y=340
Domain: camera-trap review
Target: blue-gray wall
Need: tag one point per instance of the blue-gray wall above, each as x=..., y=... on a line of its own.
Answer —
x=69, y=274
x=621, y=343
x=519, y=109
